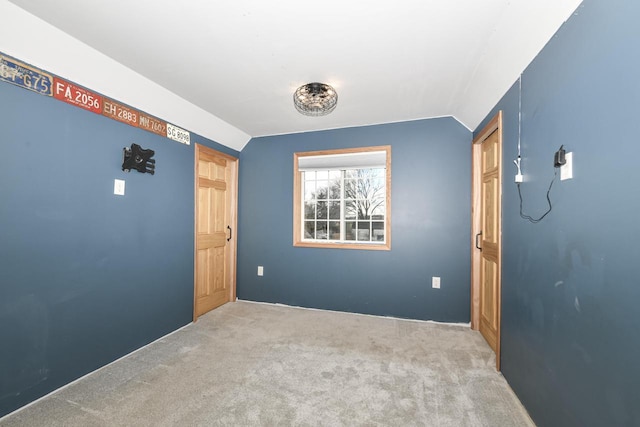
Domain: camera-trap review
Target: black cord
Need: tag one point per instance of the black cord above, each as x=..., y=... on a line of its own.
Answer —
x=527, y=217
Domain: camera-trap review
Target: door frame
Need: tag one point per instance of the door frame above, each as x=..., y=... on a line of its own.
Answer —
x=232, y=203
x=476, y=192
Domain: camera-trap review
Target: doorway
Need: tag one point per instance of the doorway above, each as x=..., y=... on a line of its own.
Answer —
x=216, y=176
x=486, y=245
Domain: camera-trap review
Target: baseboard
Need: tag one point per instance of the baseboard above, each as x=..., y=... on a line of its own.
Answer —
x=464, y=325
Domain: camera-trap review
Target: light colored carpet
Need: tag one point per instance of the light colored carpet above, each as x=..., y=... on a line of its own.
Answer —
x=248, y=364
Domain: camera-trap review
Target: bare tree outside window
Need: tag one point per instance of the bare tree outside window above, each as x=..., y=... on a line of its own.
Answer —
x=342, y=198
x=366, y=187
x=349, y=203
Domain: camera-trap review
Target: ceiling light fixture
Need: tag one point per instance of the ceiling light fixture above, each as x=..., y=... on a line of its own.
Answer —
x=315, y=99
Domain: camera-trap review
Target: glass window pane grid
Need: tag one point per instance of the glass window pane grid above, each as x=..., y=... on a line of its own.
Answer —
x=356, y=191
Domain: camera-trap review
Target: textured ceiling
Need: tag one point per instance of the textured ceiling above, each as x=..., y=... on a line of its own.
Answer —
x=389, y=61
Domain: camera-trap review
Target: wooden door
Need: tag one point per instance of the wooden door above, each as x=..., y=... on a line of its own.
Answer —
x=216, y=194
x=487, y=238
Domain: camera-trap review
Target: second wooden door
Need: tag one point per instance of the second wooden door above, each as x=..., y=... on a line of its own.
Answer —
x=215, y=224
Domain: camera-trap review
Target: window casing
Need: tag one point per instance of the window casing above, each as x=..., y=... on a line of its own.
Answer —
x=342, y=198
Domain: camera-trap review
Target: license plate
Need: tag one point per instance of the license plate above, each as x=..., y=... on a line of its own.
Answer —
x=152, y=124
x=120, y=112
x=76, y=95
x=23, y=75
x=178, y=134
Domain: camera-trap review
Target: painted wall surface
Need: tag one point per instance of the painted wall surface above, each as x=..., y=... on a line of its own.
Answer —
x=571, y=283
x=26, y=37
x=85, y=276
x=430, y=226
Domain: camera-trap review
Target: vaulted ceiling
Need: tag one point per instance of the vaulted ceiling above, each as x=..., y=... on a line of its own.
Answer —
x=389, y=61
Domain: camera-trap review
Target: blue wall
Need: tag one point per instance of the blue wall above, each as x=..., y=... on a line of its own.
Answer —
x=571, y=284
x=430, y=226
x=85, y=276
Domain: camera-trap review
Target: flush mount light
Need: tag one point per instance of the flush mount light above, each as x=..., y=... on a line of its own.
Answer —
x=315, y=99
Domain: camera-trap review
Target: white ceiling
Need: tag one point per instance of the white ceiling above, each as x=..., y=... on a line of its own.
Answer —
x=241, y=60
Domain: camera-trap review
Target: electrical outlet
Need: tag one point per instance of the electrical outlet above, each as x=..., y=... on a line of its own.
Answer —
x=435, y=282
x=260, y=270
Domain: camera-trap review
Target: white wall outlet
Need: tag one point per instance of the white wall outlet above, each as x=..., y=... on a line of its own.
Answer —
x=566, y=170
x=435, y=282
x=118, y=187
x=260, y=270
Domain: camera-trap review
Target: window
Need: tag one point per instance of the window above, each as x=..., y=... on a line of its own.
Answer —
x=342, y=198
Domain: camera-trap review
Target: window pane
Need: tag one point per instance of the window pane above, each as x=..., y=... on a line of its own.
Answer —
x=377, y=186
x=378, y=173
x=322, y=175
x=363, y=209
x=309, y=190
x=364, y=173
x=364, y=189
x=350, y=230
x=321, y=189
x=342, y=205
x=321, y=230
x=350, y=189
x=377, y=231
x=334, y=189
x=334, y=210
x=309, y=210
x=322, y=210
x=350, y=210
x=363, y=231
x=309, y=230
x=334, y=230
x=378, y=209
x=336, y=174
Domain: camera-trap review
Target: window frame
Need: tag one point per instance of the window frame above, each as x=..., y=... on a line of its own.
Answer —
x=298, y=198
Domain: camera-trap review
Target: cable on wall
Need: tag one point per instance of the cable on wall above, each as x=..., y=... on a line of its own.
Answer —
x=558, y=161
x=519, y=115
x=529, y=218
x=517, y=162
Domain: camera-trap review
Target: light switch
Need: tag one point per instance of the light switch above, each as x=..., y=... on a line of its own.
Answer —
x=435, y=282
x=118, y=187
x=260, y=270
